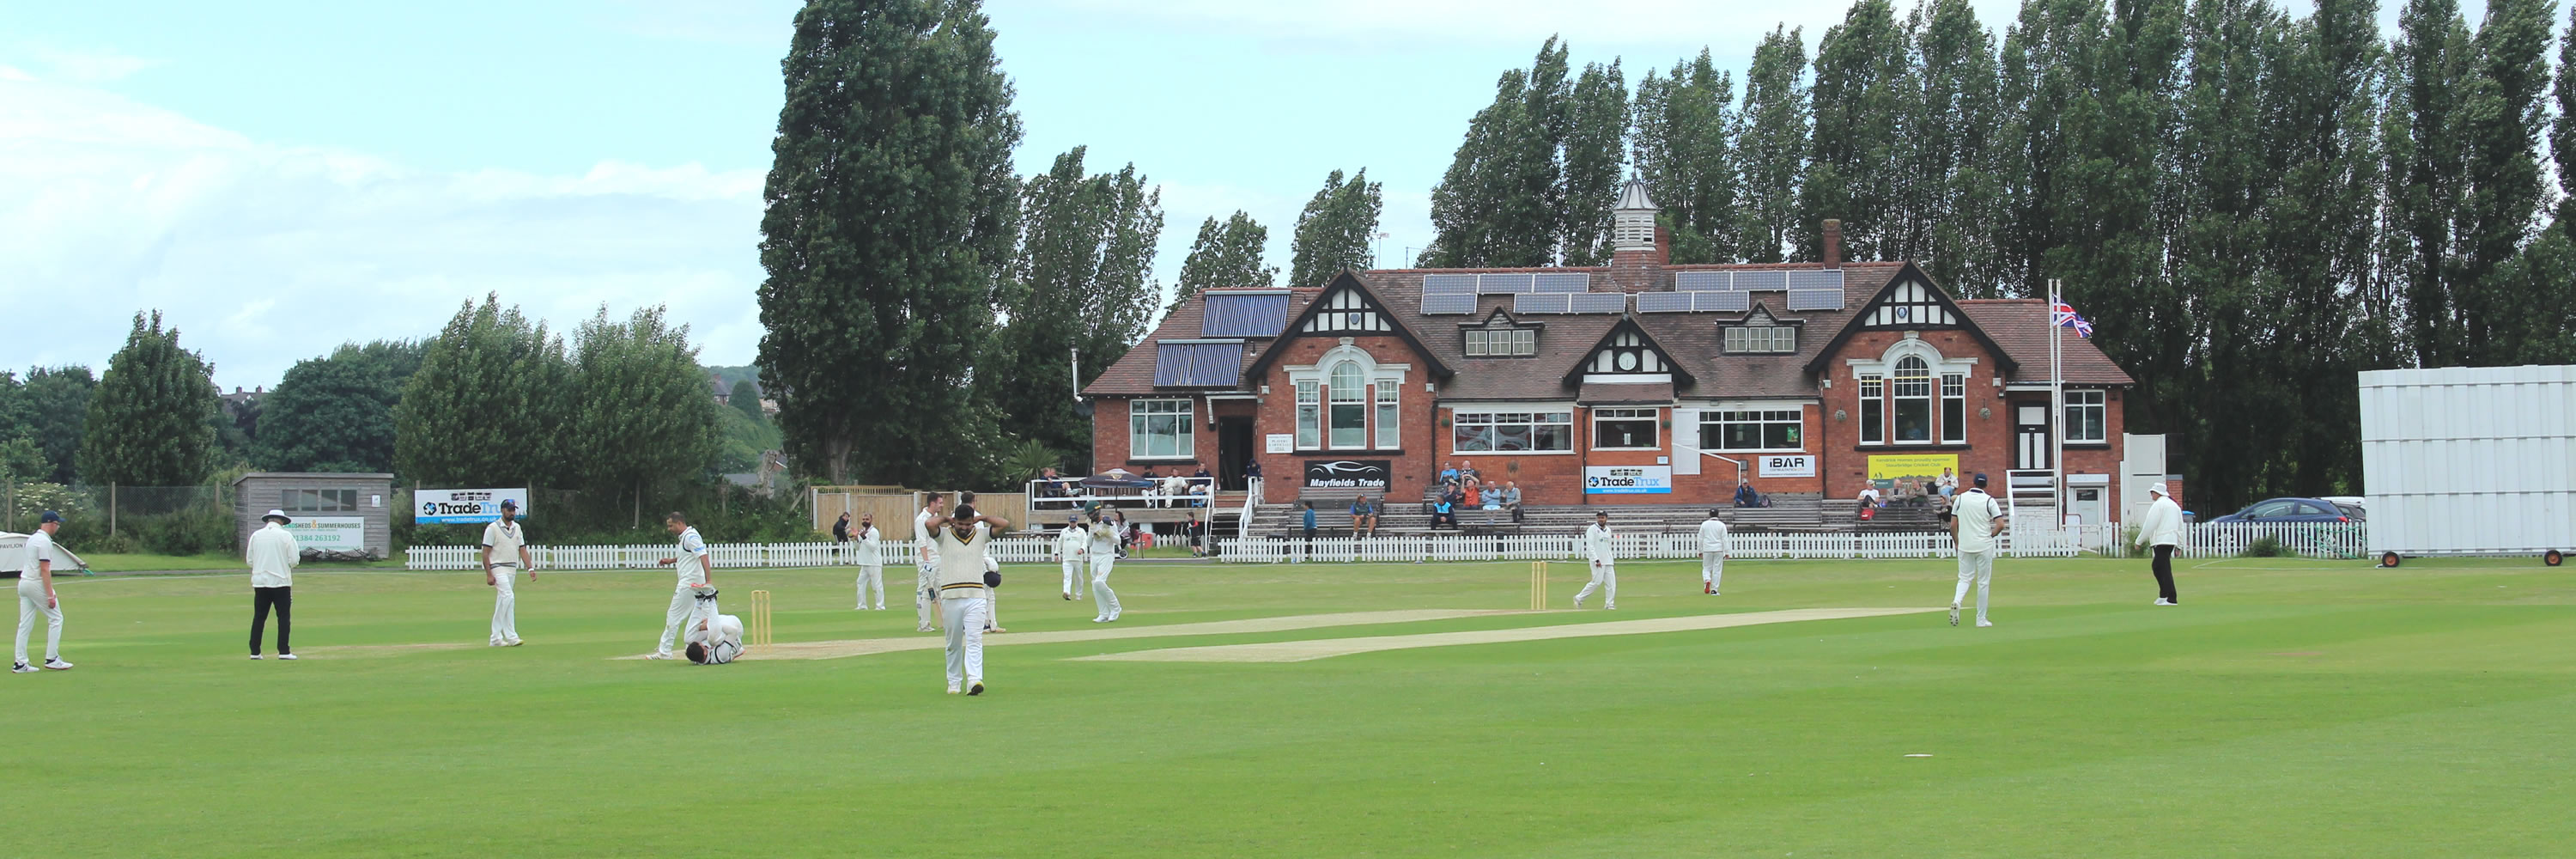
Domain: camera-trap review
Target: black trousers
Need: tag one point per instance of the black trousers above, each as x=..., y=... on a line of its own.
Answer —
x=260, y=601
x=2163, y=565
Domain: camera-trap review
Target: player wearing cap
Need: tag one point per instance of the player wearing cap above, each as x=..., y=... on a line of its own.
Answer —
x=36, y=595
x=1104, y=559
x=715, y=640
x=695, y=598
x=1073, y=552
x=505, y=540
x=2162, y=529
x=1605, y=569
x=273, y=555
x=1712, y=553
x=871, y=551
x=1976, y=518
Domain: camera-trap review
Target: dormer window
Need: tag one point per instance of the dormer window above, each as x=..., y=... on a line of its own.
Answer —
x=1499, y=337
x=1761, y=339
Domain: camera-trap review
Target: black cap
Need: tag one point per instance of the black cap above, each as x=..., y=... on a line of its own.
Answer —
x=49, y=517
x=509, y=504
x=1981, y=478
x=1712, y=512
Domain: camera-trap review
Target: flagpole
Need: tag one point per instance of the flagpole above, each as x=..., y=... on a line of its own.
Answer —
x=2056, y=406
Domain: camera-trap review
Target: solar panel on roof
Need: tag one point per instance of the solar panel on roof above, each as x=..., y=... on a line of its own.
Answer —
x=1244, y=315
x=1497, y=284
x=1731, y=301
x=1827, y=279
x=1556, y=302
x=1665, y=302
x=1692, y=281
x=1816, y=299
x=1448, y=284
x=1598, y=302
x=1197, y=365
x=1564, y=281
x=1748, y=281
x=1438, y=304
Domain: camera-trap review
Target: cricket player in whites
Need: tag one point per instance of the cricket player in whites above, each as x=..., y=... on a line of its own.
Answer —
x=695, y=599
x=1977, y=518
x=1104, y=558
x=925, y=563
x=1605, y=569
x=36, y=595
x=871, y=549
x=1073, y=552
x=1712, y=553
x=715, y=640
x=505, y=541
x=963, y=540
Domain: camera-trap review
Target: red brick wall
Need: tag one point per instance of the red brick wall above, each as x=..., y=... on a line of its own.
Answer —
x=1989, y=446
x=1558, y=478
x=1414, y=463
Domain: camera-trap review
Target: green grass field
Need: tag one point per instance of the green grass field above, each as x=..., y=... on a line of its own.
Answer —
x=2288, y=708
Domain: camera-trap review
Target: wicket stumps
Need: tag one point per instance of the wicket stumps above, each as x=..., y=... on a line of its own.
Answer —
x=755, y=631
x=1538, y=585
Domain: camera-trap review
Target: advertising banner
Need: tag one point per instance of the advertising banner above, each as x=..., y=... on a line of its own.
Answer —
x=463, y=506
x=1788, y=465
x=1366, y=475
x=1921, y=468
x=329, y=533
x=1627, y=479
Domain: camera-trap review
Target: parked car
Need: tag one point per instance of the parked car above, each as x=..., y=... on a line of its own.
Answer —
x=2351, y=505
x=2292, y=510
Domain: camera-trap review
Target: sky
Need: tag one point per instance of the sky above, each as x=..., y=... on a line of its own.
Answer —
x=282, y=176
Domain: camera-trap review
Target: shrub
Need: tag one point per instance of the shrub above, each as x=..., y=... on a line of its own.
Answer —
x=2266, y=546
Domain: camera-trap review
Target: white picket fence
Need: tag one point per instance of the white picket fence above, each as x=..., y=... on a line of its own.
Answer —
x=2213, y=540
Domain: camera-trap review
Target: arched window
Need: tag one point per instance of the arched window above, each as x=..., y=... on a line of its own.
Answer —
x=1350, y=406
x=1912, y=387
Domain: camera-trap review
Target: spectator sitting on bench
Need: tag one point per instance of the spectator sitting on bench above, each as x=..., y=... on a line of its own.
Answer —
x=1363, y=517
x=1747, y=496
x=1448, y=474
x=1868, y=498
x=1444, y=510
x=1512, y=500
x=1467, y=474
x=1492, y=503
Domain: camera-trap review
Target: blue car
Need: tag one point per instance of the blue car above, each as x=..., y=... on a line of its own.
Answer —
x=2292, y=510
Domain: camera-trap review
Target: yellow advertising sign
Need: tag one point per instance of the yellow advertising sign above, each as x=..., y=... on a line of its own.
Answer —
x=1923, y=467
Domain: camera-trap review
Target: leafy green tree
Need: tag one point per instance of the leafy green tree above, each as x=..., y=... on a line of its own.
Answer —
x=889, y=219
x=334, y=413
x=147, y=424
x=1336, y=229
x=2562, y=130
x=1856, y=166
x=2426, y=141
x=1079, y=282
x=57, y=403
x=2222, y=266
x=745, y=398
x=1686, y=158
x=642, y=419
x=488, y=405
x=1595, y=154
x=1772, y=145
x=2507, y=195
x=1226, y=253
x=1950, y=208
x=1491, y=207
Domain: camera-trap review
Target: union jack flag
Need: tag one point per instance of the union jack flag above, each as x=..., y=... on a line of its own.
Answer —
x=2063, y=315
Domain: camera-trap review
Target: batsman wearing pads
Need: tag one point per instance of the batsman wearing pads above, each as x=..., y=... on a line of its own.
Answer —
x=963, y=540
x=715, y=640
x=695, y=598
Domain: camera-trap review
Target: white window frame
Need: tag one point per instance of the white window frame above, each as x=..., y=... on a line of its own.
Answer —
x=1897, y=387
x=1310, y=415
x=1478, y=343
x=1654, y=426
x=1140, y=412
x=1497, y=420
x=1761, y=339
x=2092, y=400
x=1389, y=416
x=1954, y=390
x=1873, y=392
x=1719, y=419
x=1337, y=399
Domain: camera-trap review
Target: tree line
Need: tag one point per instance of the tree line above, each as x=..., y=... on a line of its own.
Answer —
x=2251, y=205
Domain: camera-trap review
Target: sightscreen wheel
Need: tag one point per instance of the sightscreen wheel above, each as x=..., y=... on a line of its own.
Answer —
x=2552, y=557
x=2388, y=559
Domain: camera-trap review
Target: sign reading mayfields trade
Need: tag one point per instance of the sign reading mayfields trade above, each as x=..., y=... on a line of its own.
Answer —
x=1367, y=474
x=1627, y=479
x=463, y=506
x=329, y=533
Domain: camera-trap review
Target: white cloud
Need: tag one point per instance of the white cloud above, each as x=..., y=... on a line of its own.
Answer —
x=87, y=67
x=265, y=254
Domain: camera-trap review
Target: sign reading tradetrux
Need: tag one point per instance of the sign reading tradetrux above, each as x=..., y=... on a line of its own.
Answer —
x=1365, y=474
x=1627, y=479
x=463, y=506
x=339, y=533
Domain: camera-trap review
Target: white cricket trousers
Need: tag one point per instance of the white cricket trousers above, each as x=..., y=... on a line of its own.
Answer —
x=505, y=605
x=1978, y=567
x=1073, y=575
x=1101, y=595
x=31, y=602
x=871, y=576
x=965, y=618
x=925, y=595
x=1712, y=567
x=686, y=608
x=1605, y=578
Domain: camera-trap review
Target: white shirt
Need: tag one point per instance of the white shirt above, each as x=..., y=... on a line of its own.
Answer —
x=1073, y=543
x=2162, y=525
x=871, y=547
x=40, y=548
x=1976, y=512
x=505, y=540
x=1596, y=544
x=693, y=559
x=1948, y=481
x=1104, y=540
x=273, y=555
x=1870, y=495
x=925, y=550
x=722, y=638
x=1712, y=535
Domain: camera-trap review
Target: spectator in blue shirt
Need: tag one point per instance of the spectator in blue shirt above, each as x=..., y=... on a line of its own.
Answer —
x=1363, y=517
x=1310, y=528
x=1448, y=474
x=1444, y=510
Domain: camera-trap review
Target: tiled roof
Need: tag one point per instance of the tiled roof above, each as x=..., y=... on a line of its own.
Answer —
x=2020, y=325
x=1133, y=375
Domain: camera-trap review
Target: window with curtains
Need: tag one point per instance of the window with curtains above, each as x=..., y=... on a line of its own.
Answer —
x=1158, y=429
x=1348, y=417
x=1912, y=382
x=1390, y=426
x=2085, y=416
x=1310, y=415
x=1873, y=409
x=1954, y=407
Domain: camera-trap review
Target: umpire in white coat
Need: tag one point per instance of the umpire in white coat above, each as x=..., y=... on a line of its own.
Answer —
x=2162, y=529
x=870, y=544
x=272, y=554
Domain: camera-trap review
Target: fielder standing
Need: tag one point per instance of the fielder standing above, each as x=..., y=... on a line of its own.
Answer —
x=925, y=563
x=505, y=539
x=1605, y=569
x=2162, y=528
x=273, y=555
x=1712, y=553
x=695, y=598
x=871, y=560
x=1073, y=552
x=1104, y=558
x=1977, y=518
x=963, y=540
x=36, y=595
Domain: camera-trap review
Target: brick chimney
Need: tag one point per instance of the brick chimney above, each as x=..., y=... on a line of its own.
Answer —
x=1833, y=243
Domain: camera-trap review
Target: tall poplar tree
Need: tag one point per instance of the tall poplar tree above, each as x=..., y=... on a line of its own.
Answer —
x=889, y=219
x=1533, y=182
x=1772, y=145
x=2426, y=142
x=1595, y=153
x=1226, y=253
x=147, y=422
x=1079, y=282
x=1856, y=164
x=1950, y=210
x=1686, y=157
x=1336, y=230
x=2225, y=179
x=2507, y=194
